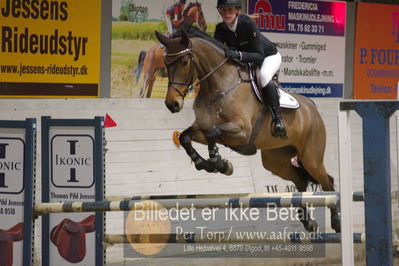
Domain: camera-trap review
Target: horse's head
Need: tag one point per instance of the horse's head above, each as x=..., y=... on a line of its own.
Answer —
x=179, y=62
x=193, y=14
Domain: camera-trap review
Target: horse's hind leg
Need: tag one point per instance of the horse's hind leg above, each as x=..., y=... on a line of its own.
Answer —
x=151, y=82
x=144, y=87
x=278, y=162
x=311, y=158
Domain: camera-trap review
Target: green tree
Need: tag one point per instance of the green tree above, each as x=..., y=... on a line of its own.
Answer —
x=130, y=12
x=124, y=11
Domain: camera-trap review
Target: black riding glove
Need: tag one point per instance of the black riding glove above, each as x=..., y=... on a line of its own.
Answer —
x=234, y=54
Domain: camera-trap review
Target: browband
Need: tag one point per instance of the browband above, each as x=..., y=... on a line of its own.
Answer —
x=180, y=53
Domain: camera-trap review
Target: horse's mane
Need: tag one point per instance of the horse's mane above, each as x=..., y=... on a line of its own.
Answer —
x=193, y=31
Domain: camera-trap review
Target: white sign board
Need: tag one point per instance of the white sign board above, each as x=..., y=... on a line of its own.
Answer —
x=310, y=36
x=12, y=151
x=72, y=178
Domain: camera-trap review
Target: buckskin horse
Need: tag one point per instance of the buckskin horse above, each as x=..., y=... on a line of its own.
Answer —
x=227, y=112
x=154, y=59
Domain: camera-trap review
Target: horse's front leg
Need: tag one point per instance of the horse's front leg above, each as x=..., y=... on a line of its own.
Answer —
x=215, y=163
x=217, y=132
x=185, y=140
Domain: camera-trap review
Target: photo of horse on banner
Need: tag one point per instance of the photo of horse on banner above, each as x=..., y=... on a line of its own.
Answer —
x=152, y=60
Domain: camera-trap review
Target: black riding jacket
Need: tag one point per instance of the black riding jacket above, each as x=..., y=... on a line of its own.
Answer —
x=247, y=39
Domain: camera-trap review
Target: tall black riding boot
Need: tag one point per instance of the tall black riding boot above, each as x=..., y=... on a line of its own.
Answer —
x=270, y=97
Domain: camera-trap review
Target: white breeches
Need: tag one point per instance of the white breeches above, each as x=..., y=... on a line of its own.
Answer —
x=270, y=66
x=169, y=24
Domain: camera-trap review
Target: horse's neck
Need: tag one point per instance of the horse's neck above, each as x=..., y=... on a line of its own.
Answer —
x=208, y=56
x=192, y=11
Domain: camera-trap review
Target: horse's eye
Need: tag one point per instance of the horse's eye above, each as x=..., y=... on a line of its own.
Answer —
x=184, y=62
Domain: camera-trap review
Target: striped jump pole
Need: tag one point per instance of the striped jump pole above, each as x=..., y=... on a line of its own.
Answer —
x=356, y=195
x=291, y=200
x=319, y=238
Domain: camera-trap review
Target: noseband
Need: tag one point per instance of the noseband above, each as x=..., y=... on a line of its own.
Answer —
x=191, y=84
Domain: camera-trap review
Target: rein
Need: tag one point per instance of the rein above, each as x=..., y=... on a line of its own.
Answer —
x=196, y=83
x=193, y=65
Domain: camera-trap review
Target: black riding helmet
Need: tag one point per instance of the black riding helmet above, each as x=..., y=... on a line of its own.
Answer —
x=228, y=3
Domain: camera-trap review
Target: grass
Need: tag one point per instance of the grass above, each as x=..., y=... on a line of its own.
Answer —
x=136, y=31
x=128, y=39
x=125, y=30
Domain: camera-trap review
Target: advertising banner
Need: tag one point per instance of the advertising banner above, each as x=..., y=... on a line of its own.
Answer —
x=310, y=36
x=12, y=149
x=137, y=68
x=17, y=156
x=72, y=156
x=50, y=48
x=376, y=63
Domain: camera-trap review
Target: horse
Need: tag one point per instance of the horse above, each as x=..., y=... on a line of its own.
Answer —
x=154, y=59
x=227, y=112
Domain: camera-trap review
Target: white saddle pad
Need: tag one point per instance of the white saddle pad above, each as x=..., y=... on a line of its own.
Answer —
x=287, y=101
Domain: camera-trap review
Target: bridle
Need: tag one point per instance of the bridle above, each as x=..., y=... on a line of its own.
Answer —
x=190, y=84
x=187, y=85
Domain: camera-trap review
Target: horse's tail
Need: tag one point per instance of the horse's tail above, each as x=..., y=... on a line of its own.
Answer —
x=140, y=65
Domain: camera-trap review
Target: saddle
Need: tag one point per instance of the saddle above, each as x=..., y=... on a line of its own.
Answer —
x=7, y=238
x=286, y=100
x=70, y=238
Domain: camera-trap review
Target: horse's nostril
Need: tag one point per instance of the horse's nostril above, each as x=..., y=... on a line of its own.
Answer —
x=176, y=106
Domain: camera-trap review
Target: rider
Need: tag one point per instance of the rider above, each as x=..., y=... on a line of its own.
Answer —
x=240, y=33
x=174, y=16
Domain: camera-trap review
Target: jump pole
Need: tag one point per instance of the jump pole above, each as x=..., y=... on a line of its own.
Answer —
x=320, y=238
x=356, y=195
x=194, y=203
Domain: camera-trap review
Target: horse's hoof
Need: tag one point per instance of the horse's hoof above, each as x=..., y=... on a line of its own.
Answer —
x=230, y=168
x=312, y=226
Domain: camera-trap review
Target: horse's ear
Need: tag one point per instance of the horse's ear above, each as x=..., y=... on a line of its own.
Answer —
x=162, y=38
x=184, y=38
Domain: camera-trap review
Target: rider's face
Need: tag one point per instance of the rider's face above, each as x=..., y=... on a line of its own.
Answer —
x=229, y=14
